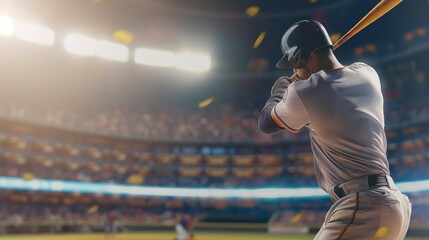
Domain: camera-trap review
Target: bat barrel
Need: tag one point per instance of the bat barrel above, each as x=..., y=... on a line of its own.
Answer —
x=379, y=10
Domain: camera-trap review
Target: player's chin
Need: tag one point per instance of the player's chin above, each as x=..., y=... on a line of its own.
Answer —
x=303, y=76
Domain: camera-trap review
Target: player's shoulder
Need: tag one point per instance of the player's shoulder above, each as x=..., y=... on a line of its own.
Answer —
x=309, y=83
x=360, y=66
x=364, y=70
x=307, y=87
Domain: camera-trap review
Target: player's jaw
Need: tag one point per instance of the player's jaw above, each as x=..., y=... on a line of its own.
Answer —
x=303, y=73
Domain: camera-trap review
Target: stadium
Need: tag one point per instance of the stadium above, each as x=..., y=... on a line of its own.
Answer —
x=129, y=119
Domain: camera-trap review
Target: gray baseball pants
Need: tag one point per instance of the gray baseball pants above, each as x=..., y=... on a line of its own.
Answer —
x=380, y=213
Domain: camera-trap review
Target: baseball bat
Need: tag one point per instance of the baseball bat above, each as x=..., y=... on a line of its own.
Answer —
x=375, y=13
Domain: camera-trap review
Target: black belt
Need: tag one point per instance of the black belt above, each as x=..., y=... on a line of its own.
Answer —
x=374, y=181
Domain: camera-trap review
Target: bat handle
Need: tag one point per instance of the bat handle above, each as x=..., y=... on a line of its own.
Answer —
x=293, y=78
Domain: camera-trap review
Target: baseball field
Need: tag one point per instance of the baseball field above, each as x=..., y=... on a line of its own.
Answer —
x=165, y=236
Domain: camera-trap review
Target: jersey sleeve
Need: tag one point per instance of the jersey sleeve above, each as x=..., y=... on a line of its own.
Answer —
x=290, y=112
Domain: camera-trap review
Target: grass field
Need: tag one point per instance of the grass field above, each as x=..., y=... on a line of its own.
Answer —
x=164, y=236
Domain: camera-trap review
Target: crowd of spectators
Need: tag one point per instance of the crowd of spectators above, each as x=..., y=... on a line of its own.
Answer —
x=62, y=155
x=298, y=171
x=222, y=119
x=135, y=173
x=217, y=123
x=17, y=217
x=402, y=111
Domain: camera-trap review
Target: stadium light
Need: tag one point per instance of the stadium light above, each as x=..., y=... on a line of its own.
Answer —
x=153, y=57
x=80, y=45
x=35, y=34
x=112, y=51
x=7, y=26
x=193, y=62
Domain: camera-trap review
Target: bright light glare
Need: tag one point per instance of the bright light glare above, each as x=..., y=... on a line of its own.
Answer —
x=193, y=62
x=35, y=34
x=80, y=45
x=7, y=26
x=112, y=51
x=153, y=57
x=109, y=188
x=416, y=186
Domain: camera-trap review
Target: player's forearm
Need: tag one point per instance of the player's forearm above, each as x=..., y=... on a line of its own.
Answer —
x=265, y=121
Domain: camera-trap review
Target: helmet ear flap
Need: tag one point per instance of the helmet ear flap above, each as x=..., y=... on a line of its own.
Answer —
x=297, y=60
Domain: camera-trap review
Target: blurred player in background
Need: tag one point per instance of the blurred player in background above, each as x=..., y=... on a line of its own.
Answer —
x=342, y=106
x=182, y=228
x=111, y=224
x=190, y=224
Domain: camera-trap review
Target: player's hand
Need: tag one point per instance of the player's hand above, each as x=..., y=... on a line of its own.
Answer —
x=294, y=77
x=281, y=84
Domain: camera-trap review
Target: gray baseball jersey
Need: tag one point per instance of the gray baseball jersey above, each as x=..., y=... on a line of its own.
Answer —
x=343, y=110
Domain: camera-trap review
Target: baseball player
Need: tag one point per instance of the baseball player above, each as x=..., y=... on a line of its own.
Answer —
x=342, y=106
x=111, y=224
x=182, y=228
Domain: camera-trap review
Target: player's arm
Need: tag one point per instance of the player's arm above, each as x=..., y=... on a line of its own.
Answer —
x=290, y=112
x=286, y=112
x=265, y=122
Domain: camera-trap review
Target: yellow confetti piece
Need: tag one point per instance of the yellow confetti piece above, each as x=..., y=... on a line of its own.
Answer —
x=123, y=36
x=259, y=40
x=206, y=102
x=296, y=218
x=381, y=232
x=252, y=11
x=335, y=36
x=135, y=179
x=27, y=176
x=92, y=209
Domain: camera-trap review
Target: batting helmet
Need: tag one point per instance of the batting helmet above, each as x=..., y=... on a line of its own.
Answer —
x=300, y=41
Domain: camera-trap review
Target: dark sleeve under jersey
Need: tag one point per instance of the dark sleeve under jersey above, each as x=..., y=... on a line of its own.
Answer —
x=265, y=121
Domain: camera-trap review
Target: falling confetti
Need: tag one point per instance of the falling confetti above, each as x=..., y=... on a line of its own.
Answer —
x=252, y=11
x=206, y=102
x=123, y=36
x=259, y=40
x=381, y=232
x=334, y=37
x=92, y=209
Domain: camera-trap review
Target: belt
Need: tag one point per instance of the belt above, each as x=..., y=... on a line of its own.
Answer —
x=364, y=183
